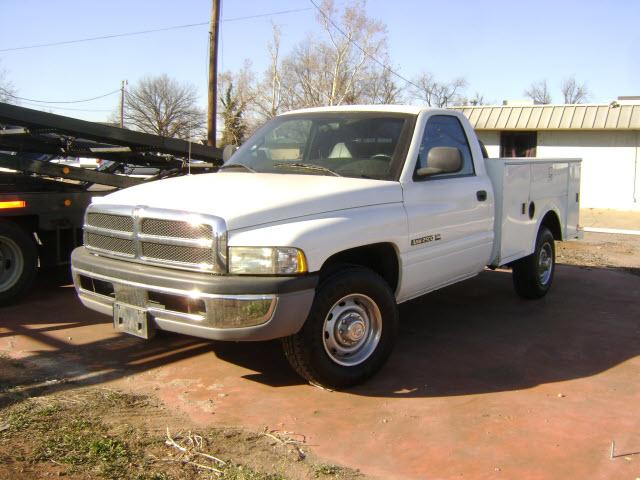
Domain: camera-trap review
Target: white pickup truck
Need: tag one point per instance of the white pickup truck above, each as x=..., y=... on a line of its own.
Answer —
x=318, y=227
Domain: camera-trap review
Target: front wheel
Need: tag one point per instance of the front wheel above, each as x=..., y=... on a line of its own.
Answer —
x=349, y=332
x=533, y=275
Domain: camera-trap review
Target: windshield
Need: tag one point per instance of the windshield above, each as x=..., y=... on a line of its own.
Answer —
x=359, y=145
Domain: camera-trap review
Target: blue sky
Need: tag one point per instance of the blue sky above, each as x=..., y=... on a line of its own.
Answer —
x=499, y=46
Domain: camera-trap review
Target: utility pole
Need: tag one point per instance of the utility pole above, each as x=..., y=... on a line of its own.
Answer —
x=124, y=83
x=213, y=72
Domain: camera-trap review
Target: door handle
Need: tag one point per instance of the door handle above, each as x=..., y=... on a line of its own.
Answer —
x=481, y=195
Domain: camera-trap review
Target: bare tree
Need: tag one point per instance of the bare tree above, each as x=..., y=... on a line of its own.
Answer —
x=7, y=90
x=265, y=98
x=476, y=100
x=163, y=106
x=438, y=94
x=273, y=76
x=539, y=93
x=342, y=70
x=384, y=88
x=574, y=92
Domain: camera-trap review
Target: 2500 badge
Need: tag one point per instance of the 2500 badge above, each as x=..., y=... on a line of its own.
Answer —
x=426, y=239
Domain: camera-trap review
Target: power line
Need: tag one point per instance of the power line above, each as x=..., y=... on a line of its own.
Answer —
x=355, y=44
x=143, y=32
x=40, y=106
x=260, y=15
x=61, y=101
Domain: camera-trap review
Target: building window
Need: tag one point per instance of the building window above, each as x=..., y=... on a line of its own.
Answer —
x=518, y=144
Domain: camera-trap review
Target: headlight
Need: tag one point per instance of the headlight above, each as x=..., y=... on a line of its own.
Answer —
x=266, y=261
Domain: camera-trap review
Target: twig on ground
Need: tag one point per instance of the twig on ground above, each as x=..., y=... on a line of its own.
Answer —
x=198, y=465
x=196, y=441
x=284, y=438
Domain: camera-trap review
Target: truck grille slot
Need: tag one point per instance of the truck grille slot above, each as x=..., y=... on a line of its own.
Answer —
x=177, y=253
x=171, y=228
x=120, y=246
x=98, y=286
x=157, y=237
x=119, y=223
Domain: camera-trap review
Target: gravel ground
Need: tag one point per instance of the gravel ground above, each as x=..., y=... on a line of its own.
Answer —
x=602, y=250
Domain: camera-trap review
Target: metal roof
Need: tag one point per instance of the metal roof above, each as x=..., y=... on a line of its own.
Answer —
x=553, y=117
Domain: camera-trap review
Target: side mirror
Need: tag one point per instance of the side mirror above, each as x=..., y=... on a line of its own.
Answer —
x=442, y=160
x=227, y=151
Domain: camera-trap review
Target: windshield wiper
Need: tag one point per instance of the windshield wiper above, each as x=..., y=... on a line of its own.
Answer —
x=237, y=165
x=308, y=166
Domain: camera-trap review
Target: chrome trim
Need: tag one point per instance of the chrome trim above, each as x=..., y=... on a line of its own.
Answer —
x=180, y=242
x=163, y=312
x=110, y=253
x=217, y=244
x=137, y=246
x=109, y=233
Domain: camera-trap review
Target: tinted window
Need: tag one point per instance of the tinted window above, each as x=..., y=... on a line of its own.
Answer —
x=346, y=144
x=445, y=131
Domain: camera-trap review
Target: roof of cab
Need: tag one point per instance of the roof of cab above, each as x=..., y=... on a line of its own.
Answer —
x=410, y=109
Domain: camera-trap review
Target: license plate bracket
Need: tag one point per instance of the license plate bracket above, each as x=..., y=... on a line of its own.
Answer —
x=132, y=320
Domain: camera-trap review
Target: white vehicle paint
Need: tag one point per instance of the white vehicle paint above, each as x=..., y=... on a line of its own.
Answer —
x=419, y=229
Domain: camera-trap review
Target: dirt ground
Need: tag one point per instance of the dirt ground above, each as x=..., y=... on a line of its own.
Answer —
x=607, y=218
x=85, y=433
x=481, y=385
x=599, y=250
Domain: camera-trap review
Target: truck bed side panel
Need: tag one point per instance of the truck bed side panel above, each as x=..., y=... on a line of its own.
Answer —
x=526, y=190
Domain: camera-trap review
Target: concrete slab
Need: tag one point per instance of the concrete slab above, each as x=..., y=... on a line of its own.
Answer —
x=481, y=385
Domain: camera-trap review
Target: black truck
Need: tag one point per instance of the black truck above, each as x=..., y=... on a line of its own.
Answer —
x=44, y=193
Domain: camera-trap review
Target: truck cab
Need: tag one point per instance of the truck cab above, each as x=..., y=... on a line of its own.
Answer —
x=317, y=228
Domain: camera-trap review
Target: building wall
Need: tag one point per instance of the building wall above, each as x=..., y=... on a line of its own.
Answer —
x=610, y=163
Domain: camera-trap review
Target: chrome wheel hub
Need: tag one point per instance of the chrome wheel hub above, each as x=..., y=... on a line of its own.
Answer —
x=545, y=263
x=352, y=329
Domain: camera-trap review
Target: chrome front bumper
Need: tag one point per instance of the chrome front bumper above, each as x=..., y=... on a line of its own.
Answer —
x=197, y=304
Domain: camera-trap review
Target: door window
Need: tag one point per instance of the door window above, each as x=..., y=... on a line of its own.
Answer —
x=445, y=131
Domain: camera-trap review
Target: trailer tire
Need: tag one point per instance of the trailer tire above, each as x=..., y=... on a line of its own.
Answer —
x=18, y=261
x=349, y=332
x=533, y=274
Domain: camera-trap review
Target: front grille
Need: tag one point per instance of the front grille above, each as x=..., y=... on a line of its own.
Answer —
x=157, y=237
x=119, y=246
x=177, y=253
x=171, y=228
x=107, y=221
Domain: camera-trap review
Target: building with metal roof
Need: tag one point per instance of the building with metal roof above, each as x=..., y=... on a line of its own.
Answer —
x=555, y=117
x=605, y=136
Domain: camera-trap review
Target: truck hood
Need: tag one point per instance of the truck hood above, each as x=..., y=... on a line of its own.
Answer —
x=248, y=199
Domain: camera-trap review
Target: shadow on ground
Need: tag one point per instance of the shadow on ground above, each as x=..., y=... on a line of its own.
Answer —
x=473, y=337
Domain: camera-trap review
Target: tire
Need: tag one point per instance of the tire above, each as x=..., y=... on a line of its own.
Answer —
x=18, y=262
x=349, y=332
x=533, y=275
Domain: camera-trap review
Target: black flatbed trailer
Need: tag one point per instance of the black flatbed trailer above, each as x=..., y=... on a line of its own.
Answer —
x=43, y=197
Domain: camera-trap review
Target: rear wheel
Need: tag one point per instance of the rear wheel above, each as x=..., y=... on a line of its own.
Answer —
x=349, y=332
x=533, y=275
x=18, y=261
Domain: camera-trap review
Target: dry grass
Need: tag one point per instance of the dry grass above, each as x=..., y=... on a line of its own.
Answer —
x=101, y=433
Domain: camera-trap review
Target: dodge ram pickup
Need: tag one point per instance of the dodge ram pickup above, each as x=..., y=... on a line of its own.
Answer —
x=317, y=227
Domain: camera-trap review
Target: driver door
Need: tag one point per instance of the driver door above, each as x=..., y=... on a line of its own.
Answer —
x=450, y=215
